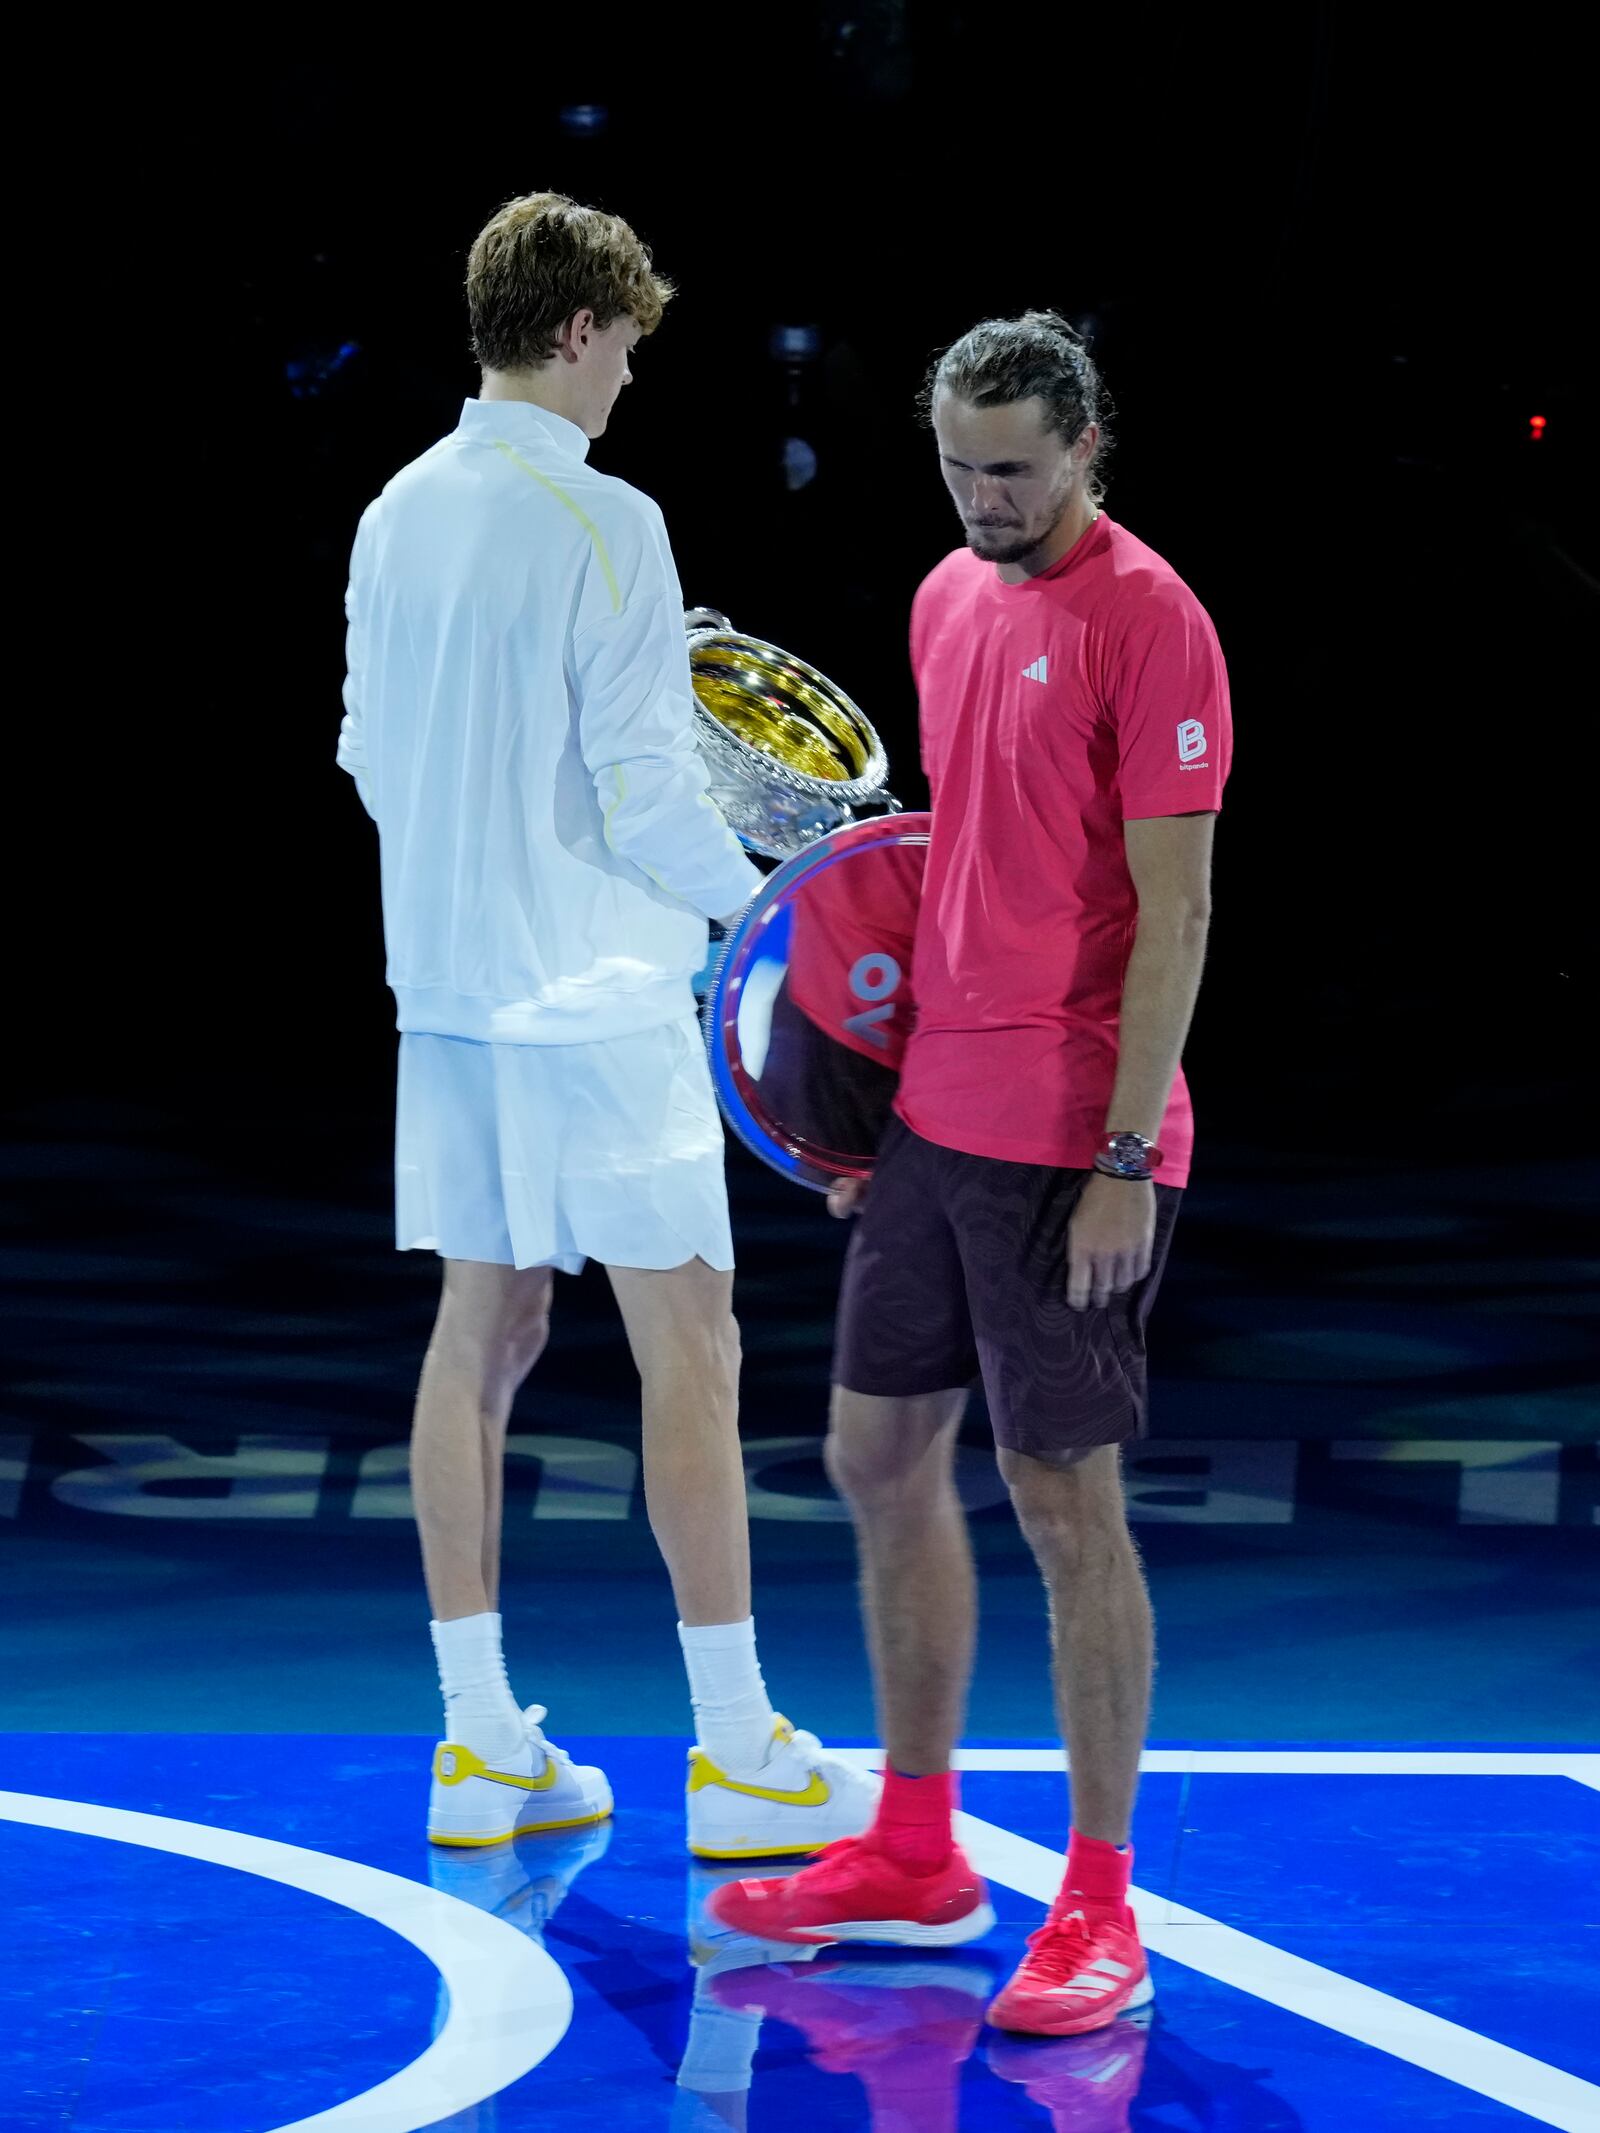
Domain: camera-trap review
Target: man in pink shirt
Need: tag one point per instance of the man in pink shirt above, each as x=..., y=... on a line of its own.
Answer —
x=1076, y=736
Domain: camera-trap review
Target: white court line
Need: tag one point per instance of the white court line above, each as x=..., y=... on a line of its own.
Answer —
x=509, y=2003
x=1293, y=1762
x=1474, y=2062
x=1381, y=1762
x=1461, y=2055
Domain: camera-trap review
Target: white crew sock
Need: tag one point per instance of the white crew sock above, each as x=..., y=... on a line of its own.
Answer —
x=733, y=1721
x=480, y=1711
x=719, y=2056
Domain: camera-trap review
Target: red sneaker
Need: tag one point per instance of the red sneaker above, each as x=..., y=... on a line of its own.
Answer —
x=1087, y=2084
x=857, y=2015
x=1081, y=1971
x=856, y=1893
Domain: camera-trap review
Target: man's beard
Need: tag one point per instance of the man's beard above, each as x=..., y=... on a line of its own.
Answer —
x=1001, y=544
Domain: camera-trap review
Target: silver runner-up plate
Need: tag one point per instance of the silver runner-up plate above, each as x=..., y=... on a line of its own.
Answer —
x=807, y=1018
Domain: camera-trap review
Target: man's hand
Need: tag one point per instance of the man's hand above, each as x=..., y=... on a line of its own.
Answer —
x=1109, y=1240
x=845, y=1196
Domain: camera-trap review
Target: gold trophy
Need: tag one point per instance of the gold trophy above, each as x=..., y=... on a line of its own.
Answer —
x=791, y=756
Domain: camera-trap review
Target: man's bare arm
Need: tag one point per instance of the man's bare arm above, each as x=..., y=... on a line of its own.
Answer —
x=1170, y=861
x=1112, y=1233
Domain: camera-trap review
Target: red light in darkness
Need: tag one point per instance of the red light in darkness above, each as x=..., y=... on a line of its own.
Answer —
x=1536, y=428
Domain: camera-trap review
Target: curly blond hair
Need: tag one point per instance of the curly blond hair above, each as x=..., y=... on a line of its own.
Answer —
x=540, y=259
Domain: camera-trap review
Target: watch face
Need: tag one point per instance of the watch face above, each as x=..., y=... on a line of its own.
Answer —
x=808, y=1015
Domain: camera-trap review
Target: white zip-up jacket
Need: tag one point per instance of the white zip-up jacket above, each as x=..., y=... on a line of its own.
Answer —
x=519, y=724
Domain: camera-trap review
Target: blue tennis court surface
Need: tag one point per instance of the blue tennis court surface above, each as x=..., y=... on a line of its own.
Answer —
x=1340, y=1939
x=1369, y=1515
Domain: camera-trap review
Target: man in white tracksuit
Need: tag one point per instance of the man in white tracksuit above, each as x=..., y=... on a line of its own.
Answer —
x=519, y=723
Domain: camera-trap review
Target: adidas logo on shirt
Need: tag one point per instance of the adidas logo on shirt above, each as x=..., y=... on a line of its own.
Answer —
x=1040, y=670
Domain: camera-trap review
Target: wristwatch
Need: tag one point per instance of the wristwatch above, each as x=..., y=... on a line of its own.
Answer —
x=1128, y=1155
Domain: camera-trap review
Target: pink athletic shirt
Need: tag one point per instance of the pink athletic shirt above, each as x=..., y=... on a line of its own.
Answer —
x=1052, y=712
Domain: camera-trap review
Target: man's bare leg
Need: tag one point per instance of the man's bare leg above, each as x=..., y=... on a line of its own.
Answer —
x=1101, y=1626
x=893, y=1461
x=685, y=1344
x=491, y=1328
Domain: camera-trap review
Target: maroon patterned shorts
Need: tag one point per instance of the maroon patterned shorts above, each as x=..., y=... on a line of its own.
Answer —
x=958, y=1270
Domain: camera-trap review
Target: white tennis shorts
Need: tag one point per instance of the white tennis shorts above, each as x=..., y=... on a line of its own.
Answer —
x=550, y=1154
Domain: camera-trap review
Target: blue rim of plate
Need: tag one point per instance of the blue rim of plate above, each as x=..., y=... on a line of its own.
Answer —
x=722, y=998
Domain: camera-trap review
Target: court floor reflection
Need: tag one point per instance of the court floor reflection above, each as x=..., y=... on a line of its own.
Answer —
x=145, y=1992
x=899, y=2035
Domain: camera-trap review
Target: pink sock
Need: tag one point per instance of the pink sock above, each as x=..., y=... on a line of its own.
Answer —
x=1097, y=1874
x=913, y=1825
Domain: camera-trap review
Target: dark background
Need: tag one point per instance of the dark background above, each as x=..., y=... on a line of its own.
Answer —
x=1328, y=262
x=1334, y=262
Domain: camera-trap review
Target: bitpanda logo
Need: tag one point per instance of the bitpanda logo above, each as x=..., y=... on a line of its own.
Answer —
x=1191, y=743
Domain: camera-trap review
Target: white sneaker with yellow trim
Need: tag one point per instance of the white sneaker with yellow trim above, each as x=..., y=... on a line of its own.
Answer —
x=541, y=1787
x=799, y=1799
